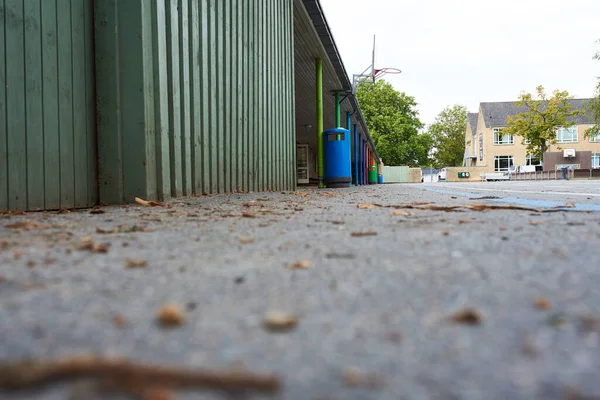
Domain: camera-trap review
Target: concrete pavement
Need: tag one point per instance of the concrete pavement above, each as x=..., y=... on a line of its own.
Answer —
x=377, y=303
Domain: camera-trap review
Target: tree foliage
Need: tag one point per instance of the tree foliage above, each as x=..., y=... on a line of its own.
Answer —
x=448, y=134
x=594, y=107
x=543, y=116
x=394, y=124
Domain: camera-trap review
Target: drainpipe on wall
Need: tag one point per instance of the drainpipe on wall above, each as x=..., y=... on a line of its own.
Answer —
x=320, y=155
x=349, y=139
x=356, y=183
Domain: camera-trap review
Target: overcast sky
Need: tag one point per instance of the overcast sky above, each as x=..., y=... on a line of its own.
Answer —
x=469, y=51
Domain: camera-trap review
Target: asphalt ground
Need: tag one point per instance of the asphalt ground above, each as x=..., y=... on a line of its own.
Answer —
x=375, y=290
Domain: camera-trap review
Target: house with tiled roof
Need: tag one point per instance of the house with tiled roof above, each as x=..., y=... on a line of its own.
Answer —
x=488, y=148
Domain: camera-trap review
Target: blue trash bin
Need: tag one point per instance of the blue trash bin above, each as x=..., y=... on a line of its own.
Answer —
x=380, y=179
x=338, y=167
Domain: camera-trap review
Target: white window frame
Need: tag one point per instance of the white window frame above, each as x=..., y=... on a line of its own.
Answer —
x=573, y=133
x=595, y=139
x=596, y=160
x=511, y=164
x=528, y=159
x=498, y=134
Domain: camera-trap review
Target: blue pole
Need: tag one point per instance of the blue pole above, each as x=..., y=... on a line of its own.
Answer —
x=356, y=154
x=349, y=139
x=362, y=161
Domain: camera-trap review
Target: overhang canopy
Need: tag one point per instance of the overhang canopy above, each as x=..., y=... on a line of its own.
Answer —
x=312, y=40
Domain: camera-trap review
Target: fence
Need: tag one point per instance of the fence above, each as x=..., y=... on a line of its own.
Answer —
x=396, y=174
x=553, y=175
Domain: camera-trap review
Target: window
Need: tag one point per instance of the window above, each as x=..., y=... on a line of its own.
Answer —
x=566, y=135
x=595, y=139
x=532, y=160
x=499, y=138
x=596, y=160
x=503, y=163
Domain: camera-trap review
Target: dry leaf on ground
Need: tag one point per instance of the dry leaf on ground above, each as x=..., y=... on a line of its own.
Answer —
x=96, y=210
x=148, y=203
x=542, y=303
x=304, y=264
x=103, y=231
x=133, y=228
x=365, y=206
x=365, y=233
x=354, y=377
x=99, y=248
x=248, y=214
x=277, y=321
x=119, y=320
x=87, y=243
x=136, y=263
x=468, y=316
x=27, y=225
x=125, y=375
x=170, y=316
x=400, y=213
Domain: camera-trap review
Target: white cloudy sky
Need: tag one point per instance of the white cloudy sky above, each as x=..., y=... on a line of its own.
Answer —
x=468, y=51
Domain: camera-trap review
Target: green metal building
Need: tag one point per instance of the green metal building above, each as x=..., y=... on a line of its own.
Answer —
x=106, y=100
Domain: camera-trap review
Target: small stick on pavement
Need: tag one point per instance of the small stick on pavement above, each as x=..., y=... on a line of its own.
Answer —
x=29, y=374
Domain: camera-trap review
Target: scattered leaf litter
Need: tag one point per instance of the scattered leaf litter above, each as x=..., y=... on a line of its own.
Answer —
x=126, y=376
x=278, y=321
x=542, y=303
x=170, y=316
x=304, y=264
x=467, y=316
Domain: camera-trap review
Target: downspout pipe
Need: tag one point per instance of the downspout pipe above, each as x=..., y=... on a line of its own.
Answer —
x=355, y=154
x=320, y=153
x=349, y=138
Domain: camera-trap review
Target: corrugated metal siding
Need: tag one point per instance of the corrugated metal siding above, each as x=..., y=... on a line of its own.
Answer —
x=47, y=130
x=213, y=110
x=396, y=174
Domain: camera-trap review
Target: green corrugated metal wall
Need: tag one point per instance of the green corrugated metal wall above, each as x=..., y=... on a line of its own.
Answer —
x=194, y=96
x=47, y=129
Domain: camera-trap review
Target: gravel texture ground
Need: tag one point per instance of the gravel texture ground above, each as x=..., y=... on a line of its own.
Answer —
x=375, y=289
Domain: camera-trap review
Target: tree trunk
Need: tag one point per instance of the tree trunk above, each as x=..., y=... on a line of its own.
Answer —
x=544, y=148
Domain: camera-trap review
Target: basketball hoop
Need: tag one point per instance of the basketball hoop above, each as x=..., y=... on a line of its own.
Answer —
x=378, y=73
x=371, y=73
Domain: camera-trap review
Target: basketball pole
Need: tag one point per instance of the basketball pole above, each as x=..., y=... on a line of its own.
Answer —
x=373, y=61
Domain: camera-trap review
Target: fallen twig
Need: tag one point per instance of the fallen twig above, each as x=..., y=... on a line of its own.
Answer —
x=30, y=374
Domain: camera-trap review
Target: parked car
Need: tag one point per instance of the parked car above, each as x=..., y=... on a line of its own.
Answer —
x=442, y=174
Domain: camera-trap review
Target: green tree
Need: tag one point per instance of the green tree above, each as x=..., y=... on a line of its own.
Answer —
x=538, y=124
x=448, y=133
x=394, y=124
x=594, y=107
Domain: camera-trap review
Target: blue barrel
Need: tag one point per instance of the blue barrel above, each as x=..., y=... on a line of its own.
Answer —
x=380, y=179
x=338, y=167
